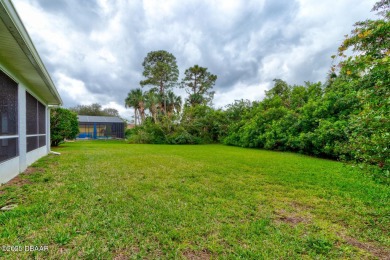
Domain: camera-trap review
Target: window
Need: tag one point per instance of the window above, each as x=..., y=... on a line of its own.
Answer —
x=35, y=123
x=118, y=130
x=9, y=138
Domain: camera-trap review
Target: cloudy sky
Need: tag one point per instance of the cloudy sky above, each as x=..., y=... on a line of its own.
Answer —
x=94, y=49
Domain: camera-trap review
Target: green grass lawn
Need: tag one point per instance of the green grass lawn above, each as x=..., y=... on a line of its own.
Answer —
x=115, y=200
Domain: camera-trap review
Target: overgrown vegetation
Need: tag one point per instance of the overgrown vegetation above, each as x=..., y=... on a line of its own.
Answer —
x=347, y=118
x=111, y=200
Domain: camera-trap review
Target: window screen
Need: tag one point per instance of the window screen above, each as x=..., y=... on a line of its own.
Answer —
x=42, y=140
x=31, y=115
x=41, y=118
x=8, y=149
x=32, y=143
x=8, y=105
x=35, y=123
x=118, y=130
x=8, y=118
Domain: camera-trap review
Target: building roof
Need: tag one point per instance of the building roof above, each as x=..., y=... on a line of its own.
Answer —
x=19, y=56
x=99, y=119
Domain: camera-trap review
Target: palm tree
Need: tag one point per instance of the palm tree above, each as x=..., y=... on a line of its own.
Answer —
x=136, y=99
x=152, y=102
x=173, y=103
x=195, y=99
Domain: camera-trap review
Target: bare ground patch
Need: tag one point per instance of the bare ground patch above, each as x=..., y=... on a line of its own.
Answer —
x=299, y=206
x=63, y=250
x=290, y=218
x=125, y=254
x=19, y=180
x=121, y=256
x=380, y=252
x=31, y=170
x=197, y=255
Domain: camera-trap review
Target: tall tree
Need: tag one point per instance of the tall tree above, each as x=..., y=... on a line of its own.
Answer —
x=136, y=99
x=160, y=71
x=198, y=82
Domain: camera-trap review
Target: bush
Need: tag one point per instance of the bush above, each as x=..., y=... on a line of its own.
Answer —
x=63, y=125
x=148, y=133
x=128, y=133
x=183, y=137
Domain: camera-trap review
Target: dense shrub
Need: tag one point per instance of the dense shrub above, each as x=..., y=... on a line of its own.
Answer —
x=198, y=124
x=147, y=133
x=63, y=125
x=183, y=137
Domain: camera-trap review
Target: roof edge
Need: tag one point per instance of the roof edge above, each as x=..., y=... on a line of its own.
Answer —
x=20, y=34
x=99, y=119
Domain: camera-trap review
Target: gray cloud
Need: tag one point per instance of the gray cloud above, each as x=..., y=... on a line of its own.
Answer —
x=84, y=15
x=94, y=49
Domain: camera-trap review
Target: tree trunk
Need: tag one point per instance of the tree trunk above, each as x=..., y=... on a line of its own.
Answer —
x=154, y=114
x=135, y=116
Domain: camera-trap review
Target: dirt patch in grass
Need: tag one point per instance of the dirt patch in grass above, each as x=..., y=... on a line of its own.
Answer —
x=31, y=170
x=197, y=255
x=62, y=250
x=381, y=253
x=293, y=220
x=125, y=254
x=290, y=218
x=121, y=256
x=19, y=180
x=298, y=206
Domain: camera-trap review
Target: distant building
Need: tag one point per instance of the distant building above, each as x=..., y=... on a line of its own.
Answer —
x=26, y=91
x=130, y=126
x=101, y=127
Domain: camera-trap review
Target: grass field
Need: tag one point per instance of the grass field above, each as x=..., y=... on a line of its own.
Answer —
x=112, y=200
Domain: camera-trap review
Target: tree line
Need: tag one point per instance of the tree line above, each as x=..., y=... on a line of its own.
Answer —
x=94, y=110
x=346, y=118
